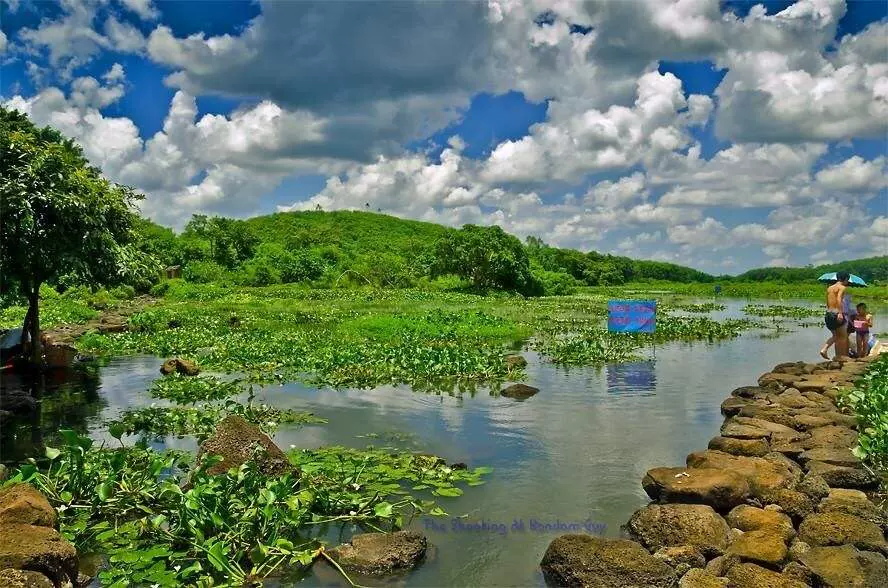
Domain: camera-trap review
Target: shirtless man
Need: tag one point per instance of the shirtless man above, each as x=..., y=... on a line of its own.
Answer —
x=835, y=318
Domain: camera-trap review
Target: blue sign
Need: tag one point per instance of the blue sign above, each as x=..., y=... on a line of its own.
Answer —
x=631, y=316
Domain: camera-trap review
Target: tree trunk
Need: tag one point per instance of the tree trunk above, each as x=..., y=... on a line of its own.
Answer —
x=34, y=310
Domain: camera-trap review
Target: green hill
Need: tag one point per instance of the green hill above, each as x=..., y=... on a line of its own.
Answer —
x=355, y=233
x=871, y=269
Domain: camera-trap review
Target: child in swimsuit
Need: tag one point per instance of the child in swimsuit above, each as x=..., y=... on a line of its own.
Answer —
x=863, y=322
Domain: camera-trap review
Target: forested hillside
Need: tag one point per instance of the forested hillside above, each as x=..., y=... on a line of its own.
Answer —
x=335, y=248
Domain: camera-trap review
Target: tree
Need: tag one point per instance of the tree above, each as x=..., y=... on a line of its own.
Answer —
x=488, y=256
x=60, y=216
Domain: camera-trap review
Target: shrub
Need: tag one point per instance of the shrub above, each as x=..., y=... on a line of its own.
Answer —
x=203, y=272
x=546, y=283
x=259, y=272
x=123, y=292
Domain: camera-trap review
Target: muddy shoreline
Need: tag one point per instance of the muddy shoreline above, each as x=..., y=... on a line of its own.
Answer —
x=777, y=499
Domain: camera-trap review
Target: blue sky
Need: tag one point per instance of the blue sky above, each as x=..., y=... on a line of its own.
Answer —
x=722, y=135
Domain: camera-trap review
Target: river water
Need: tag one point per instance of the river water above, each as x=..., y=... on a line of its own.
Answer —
x=574, y=454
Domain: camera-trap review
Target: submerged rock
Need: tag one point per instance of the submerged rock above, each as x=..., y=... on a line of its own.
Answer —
x=515, y=362
x=846, y=566
x=669, y=525
x=39, y=549
x=593, y=562
x=238, y=442
x=519, y=391
x=720, y=489
x=22, y=503
x=381, y=554
x=179, y=365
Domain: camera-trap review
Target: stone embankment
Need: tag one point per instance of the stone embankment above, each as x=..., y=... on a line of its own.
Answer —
x=32, y=552
x=778, y=500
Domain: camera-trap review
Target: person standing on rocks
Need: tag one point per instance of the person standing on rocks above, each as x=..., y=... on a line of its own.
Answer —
x=835, y=319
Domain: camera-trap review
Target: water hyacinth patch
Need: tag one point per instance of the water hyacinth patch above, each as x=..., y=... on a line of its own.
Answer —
x=132, y=505
x=183, y=389
x=781, y=311
x=161, y=421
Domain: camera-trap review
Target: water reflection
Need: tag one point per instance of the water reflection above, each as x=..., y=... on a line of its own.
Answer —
x=37, y=405
x=632, y=378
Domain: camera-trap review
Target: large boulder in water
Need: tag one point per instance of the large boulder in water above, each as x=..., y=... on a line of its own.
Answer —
x=179, y=365
x=720, y=489
x=669, y=525
x=381, y=554
x=594, y=562
x=22, y=503
x=519, y=391
x=39, y=549
x=238, y=442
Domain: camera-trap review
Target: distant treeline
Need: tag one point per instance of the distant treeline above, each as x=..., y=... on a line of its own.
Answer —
x=342, y=247
x=871, y=269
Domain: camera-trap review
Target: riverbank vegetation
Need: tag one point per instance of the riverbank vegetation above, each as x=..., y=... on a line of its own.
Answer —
x=869, y=401
x=162, y=520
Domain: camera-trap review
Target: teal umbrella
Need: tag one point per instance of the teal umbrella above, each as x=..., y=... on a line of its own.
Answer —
x=831, y=277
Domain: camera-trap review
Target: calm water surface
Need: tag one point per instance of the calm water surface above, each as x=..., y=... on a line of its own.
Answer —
x=573, y=454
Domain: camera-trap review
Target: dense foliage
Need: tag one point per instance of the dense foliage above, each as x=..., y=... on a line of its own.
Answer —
x=869, y=401
x=62, y=221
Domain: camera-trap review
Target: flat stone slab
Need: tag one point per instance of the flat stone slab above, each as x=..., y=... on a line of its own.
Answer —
x=762, y=475
x=749, y=518
x=843, y=477
x=748, y=575
x=734, y=446
x=833, y=436
x=594, y=562
x=831, y=455
x=764, y=546
x=720, y=489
